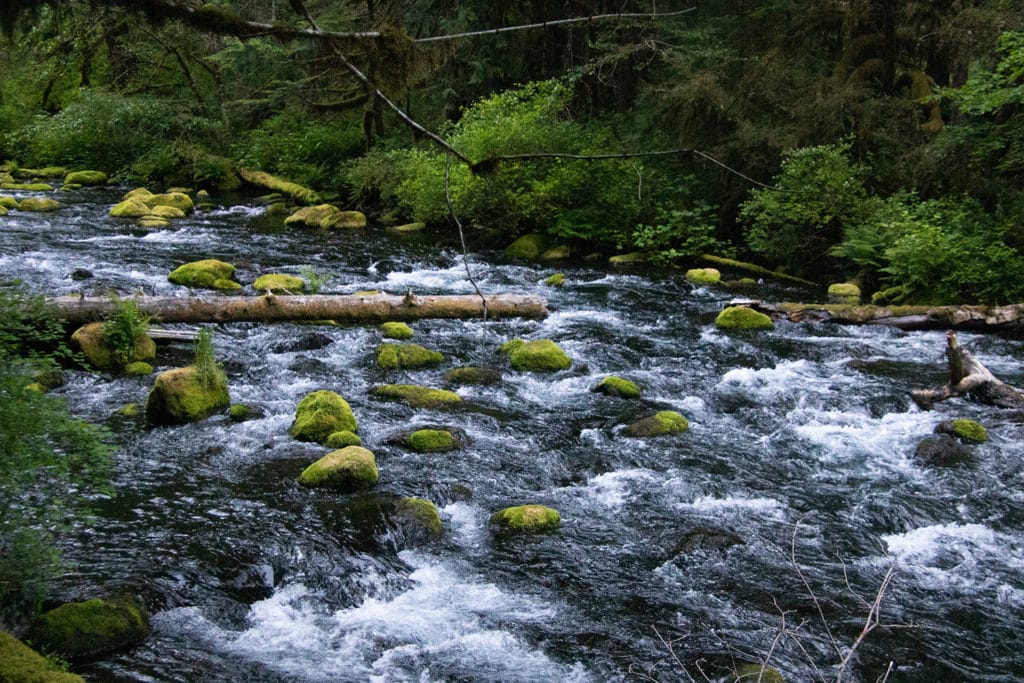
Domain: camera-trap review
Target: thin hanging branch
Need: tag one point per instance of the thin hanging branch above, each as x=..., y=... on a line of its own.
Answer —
x=553, y=22
x=462, y=236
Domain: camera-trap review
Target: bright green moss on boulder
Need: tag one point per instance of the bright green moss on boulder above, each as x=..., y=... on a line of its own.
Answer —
x=540, y=355
x=844, y=293
x=21, y=664
x=138, y=369
x=239, y=412
x=617, y=386
x=417, y=396
x=556, y=280
x=38, y=204
x=279, y=283
x=178, y=200
x=473, y=374
x=528, y=247
x=129, y=410
x=704, y=276
x=86, y=178
x=138, y=193
x=312, y=216
x=421, y=512
x=432, y=441
x=632, y=258
x=343, y=438
x=3, y=211
x=166, y=212
x=527, y=519
x=179, y=396
x=394, y=330
x=743, y=318
x=8, y=202
x=407, y=357
x=660, y=424
x=203, y=274
x=80, y=630
x=347, y=470
x=44, y=172
x=27, y=187
x=320, y=414
x=969, y=430
x=408, y=228
x=557, y=253
x=91, y=341
x=344, y=220
x=130, y=208
x=225, y=285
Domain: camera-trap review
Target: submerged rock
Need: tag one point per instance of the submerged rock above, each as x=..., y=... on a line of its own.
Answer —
x=707, y=538
x=346, y=470
x=539, y=355
x=473, y=374
x=417, y=396
x=179, y=396
x=207, y=274
x=421, y=513
x=407, y=357
x=527, y=519
x=940, y=450
x=659, y=424
x=743, y=318
x=617, y=386
x=320, y=414
x=80, y=630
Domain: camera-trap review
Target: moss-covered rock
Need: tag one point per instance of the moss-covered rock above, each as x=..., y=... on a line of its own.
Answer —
x=80, y=630
x=408, y=228
x=203, y=274
x=277, y=209
x=279, y=283
x=312, y=216
x=528, y=247
x=33, y=387
x=556, y=253
x=91, y=178
x=347, y=470
x=527, y=519
x=225, y=285
x=407, y=357
x=240, y=412
x=130, y=208
x=556, y=280
x=91, y=341
x=473, y=374
x=704, y=276
x=44, y=172
x=618, y=386
x=844, y=293
x=632, y=258
x=169, y=212
x=38, y=204
x=8, y=202
x=320, y=414
x=659, y=424
x=179, y=396
x=417, y=396
x=539, y=355
x=130, y=410
x=344, y=220
x=396, y=330
x=178, y=200
x=432, y=441
x=964, y=429
x=743, y=318
x=27, y=187
x=420, y=512
x=343, y=438
x=138, y=193
x=138, y=369
x=21, y=664
x=752, y=673
x=3, y=211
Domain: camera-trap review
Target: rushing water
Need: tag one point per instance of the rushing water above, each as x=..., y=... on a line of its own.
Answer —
x=801, y=442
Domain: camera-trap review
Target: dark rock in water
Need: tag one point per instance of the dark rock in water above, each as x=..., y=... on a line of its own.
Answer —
x=309, y=366
x=307, y=342
x=940, y=450
x=473, y=374
x=376, y=520
x=81, y=274
x=967, y=431
x=707, y=538
x=82, y=630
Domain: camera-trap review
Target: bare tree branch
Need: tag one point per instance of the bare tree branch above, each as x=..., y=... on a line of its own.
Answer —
x=553, y=22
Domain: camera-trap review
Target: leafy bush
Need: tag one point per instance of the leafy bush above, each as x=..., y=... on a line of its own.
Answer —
x=798, y=220
x=49, y=461
x=125, y=325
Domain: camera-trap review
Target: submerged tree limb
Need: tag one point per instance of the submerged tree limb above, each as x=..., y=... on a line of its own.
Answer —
x=967, y=375
x=354, y=309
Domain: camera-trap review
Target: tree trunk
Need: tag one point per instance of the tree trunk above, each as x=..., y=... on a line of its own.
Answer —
x=1008, y=319
x=967, y=376
x=355, y=309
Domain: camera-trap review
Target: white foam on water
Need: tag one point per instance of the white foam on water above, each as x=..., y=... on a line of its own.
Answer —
x=444, y=622
x=466, y=524
x=881, y=444
x=765, y=508
x=785, y=377
x=922, y=546
x=612, y=489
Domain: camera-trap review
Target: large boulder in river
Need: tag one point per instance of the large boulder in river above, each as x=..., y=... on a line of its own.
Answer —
x=526, y=519
x=347, y=470
x=617, y=386
x=743, y=318
x=130, y=208
x=407, y=357
x=86, y=178
x=703, y=276
x=940, y=450
x=91, y=340
x=20, y=664
x=320, y=414
x=82, y=630
x=38, y=204
x=178, y=200
x=528, y=247
x=327, y=217
x=539, y=355
x=8, y=202
x=660, y=424
x=344, y=220
x=208, y=274
x=180, y=395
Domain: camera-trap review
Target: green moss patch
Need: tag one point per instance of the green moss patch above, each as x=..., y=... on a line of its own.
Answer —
x=21, y=664
x=85, y=178
x=743, y=318
x=138, y=369
x=130, y=208
x=432, y=441
x=179, y=396
x=79, y=630
x=343, y=438
x=27, y=187
x=347, y=470
x=344, y=220
x=704, y=276
x=91, y=340
x=540, y=355
x=312, y=216
x=965, y=430
x=320, y=414
x=632, y=258
x=178, y=200
x=473, y=374
x=395, y=330
x=556, y=280
x=204, y=274
x=660, y=424
x=417, y=396
x=38, y=204
x=407, y=357
x=617, y=386
x=8, y=202
x=527, y=519
x=279, y=283
x=528, y=247
x=420, y=512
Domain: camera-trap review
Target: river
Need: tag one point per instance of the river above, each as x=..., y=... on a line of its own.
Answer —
x=801, y=443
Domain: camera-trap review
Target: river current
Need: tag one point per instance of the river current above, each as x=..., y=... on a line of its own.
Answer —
x=801, y=443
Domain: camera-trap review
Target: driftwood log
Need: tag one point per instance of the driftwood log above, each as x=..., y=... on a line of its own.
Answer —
x=374, y=308
x=967, y=376
x=1008, y=319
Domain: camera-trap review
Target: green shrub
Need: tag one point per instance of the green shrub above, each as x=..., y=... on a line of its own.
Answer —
x=209, y=373
x=125, y=325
